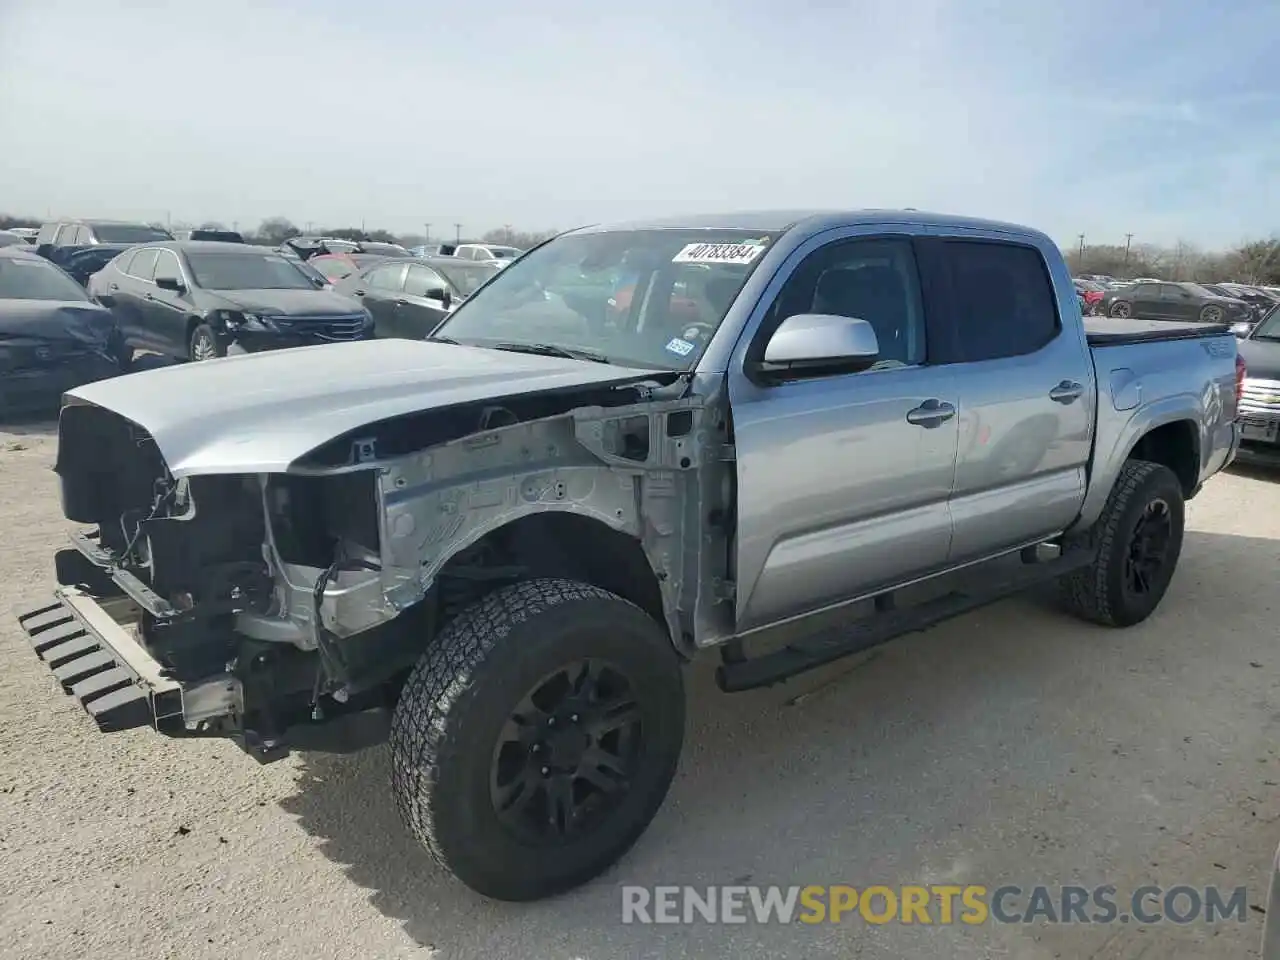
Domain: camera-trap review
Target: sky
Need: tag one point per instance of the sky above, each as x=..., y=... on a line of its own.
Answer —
x=1160, y=119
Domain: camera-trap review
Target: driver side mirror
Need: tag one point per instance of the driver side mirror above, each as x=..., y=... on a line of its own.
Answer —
x=818, y=344
x=170, y=282
x=441, y=294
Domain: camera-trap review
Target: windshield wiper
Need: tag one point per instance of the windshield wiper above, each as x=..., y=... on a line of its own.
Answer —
x=442, y=340
x=552, y=350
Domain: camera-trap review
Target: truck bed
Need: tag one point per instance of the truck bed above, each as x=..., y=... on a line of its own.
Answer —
x=1110, y=331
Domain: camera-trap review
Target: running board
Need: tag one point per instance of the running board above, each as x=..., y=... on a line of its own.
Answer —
x=881, y=627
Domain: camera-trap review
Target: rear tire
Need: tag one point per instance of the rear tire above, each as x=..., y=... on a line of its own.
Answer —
x=1121, y=310
x=519, y=776
x=1138, y=539
x=204, y=344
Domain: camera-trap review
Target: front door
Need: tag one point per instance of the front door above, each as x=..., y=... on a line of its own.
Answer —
x=418, y=313
x=843, y=481
x=1178, y=303
x=136, y=287
x=1026, y=387
x=1146, y=301
x=378, y=290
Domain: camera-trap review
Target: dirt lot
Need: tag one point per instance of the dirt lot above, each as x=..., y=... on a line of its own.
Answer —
x=1012, y=746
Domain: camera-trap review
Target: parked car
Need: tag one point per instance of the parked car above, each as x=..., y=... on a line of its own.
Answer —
x=200, y=300
x=27, y=234
x=1173, y=301
x=1090, y=294
x=221, y=236
x=434, y=250
x=338, y=266
x=10, y=239
x=52, y=336
x=518, y=532
x=1260, y=395
x=308, y=247
x=84, y=262
x=410, y=298
x=60, y=240
x=487, y=252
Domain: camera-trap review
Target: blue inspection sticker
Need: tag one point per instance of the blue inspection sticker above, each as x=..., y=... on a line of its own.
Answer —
x=681, y=347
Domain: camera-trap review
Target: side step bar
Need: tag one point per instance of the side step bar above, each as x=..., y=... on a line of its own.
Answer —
x=98, y=661
x=737, y=675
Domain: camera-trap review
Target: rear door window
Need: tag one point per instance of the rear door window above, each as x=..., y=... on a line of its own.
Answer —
x=388, y=278
x=1003, y=300
x=421, y=279
x=143, y=265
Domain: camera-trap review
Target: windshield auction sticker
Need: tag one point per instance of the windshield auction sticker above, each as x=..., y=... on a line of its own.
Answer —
x=719, y=253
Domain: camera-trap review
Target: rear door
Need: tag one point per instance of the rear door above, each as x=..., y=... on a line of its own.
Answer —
x=1025, y=382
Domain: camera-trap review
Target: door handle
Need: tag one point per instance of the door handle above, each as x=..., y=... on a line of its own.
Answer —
x=402, y=303
x=358, y=293
x=1068, y=391
x=931, y=413
x=151, y=296
x=113, y=286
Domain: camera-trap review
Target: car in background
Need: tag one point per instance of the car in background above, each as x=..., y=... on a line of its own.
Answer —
x=1090, y=295
x=308, y=247
x=1173, y=301
x=434, y=250
x=1258, y=299
x=199, y=300
x=409, y=298
x=1259, y=407
x=10, y=239
x=58, y=238
x=27, y=234
x=52, y=336
x=338, y=266
x=487, y=252
x=219, y=235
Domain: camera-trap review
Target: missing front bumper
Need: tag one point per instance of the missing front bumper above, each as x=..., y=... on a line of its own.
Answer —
x=88, y=644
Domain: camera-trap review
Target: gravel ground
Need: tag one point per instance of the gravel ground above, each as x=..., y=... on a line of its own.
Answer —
x=1011, y=746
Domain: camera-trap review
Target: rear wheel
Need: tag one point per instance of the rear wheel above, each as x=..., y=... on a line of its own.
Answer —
x=1121, y=309
x=537, y=737
x=1138, y=540
x=204, y=344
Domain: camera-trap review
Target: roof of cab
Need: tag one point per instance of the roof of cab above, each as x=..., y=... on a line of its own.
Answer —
x=206, y=246
x=778, y=221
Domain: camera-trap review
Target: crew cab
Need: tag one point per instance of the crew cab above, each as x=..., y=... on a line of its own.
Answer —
x=515, y=533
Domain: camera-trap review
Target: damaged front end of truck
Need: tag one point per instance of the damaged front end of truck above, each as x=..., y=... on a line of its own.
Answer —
x=209, y=601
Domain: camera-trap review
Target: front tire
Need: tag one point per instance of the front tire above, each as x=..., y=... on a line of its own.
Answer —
x=537, y=737
x=1212, y=314
x=1138, y=539
x=1121, y=310
x=204, y=344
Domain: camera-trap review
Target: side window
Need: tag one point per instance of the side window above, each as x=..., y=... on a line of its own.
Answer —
x=1145, y=291
x=1169, y=291
x=47, y=232
x=389, y=277
x=121, y=262
x=67, y=235
x=143, y=265
x=873, y=280
x=421, y=279
x=1002, y=299
x=167, y=264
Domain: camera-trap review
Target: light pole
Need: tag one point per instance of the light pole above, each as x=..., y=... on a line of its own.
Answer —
x=457, y=233
x=427, y=235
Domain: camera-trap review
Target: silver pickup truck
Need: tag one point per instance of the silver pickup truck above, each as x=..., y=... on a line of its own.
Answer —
x=634, y=443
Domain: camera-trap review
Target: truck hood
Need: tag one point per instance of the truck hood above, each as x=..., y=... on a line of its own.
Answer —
x=260, y=412
x=289, y=303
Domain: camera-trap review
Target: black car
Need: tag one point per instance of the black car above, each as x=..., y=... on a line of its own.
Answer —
x=1173, y=301
x=52, y=336
x=199, y=300
x=409, y=298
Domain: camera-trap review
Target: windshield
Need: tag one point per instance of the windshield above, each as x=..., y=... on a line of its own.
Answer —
x=23, y=278
x=465, y=277
x=128, y=233
x=246, y=271
x=643, y=298
x=503, y=253
x=1268, y=327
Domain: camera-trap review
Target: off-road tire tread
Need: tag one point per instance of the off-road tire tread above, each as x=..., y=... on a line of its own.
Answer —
x=1084, y=592
x=446, y=676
